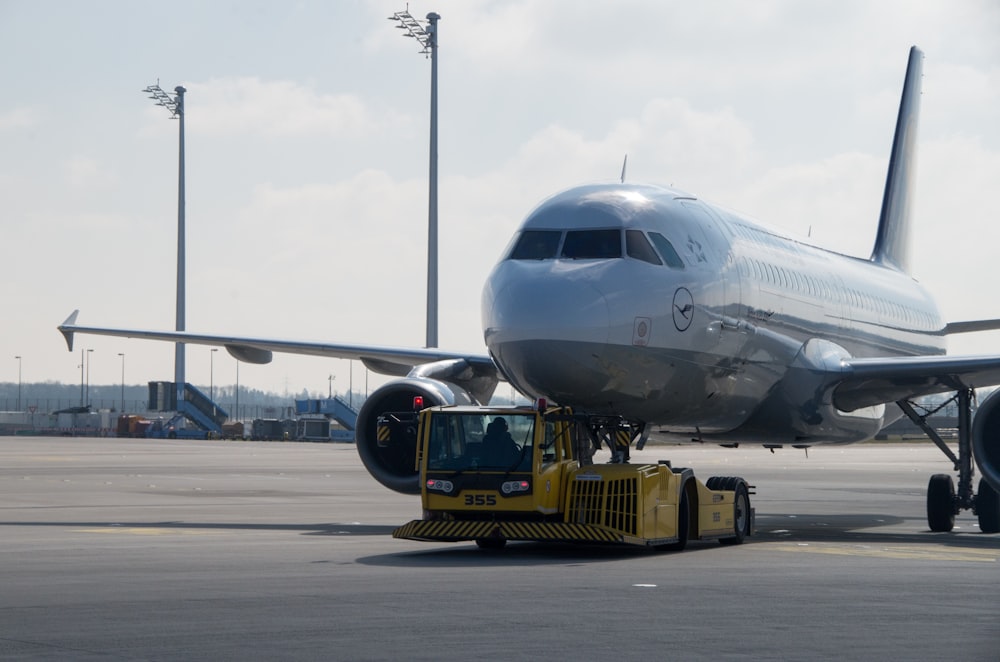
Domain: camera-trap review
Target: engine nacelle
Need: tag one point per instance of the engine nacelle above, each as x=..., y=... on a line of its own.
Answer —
x=986, y=439
x=394, y=465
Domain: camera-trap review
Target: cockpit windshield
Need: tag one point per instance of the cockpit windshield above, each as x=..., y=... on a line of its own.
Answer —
x=536, y=245
x=595, y=245
x=481, y=442
x=592, y=244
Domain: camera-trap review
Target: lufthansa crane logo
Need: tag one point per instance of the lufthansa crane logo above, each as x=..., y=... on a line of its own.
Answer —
x=683, y=308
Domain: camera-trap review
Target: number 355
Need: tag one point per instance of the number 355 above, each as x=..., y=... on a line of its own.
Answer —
x=480, y=500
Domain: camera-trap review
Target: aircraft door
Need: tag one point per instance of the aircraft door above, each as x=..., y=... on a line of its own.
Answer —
x=717, y=251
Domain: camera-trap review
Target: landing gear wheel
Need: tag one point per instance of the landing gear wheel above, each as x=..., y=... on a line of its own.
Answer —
x=988, y=507
x=493, y=544
x=941, y=503
x=741, y=513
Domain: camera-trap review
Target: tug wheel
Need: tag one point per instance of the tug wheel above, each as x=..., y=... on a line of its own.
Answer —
x=741, y=512
x=494, y=543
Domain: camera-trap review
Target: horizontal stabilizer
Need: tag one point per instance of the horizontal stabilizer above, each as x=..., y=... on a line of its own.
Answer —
x=971, y=326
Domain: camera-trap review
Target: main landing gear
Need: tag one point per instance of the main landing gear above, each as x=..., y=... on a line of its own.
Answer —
x=943, y=500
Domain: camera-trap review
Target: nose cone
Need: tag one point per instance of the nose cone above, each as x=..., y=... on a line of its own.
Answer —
x=541, y=321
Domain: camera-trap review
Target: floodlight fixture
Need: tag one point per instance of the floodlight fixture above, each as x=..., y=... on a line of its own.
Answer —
x=174, y=104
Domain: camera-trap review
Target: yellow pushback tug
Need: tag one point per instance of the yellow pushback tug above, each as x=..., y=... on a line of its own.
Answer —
x=494, y=474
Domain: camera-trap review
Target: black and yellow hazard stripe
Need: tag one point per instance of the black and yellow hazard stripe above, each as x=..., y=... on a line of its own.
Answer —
x=452, y=531
x=557, y=531
x=623, y=438
x=383, y=433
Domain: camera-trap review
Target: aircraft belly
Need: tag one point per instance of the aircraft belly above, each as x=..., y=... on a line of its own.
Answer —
x=799, y=409
x=638, y=383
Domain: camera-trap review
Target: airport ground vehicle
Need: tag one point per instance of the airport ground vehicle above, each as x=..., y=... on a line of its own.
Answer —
x=493, y=474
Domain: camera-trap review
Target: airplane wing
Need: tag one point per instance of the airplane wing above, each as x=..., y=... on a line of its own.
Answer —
x=398, y=361
x=868, y=382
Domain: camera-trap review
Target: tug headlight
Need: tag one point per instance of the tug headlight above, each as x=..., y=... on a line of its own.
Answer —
x=437, y=485
x=512, y=486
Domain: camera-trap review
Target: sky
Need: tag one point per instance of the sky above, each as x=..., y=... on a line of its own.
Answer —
x=306, y=136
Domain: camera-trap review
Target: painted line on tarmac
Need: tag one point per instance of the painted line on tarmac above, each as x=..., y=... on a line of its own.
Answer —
x=929, y=552
x=143, y=531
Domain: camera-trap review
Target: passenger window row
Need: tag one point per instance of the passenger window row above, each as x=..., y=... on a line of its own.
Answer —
x=826, y=291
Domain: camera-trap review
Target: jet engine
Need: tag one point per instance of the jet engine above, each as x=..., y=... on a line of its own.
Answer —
x=986, y=439
x=448, y=382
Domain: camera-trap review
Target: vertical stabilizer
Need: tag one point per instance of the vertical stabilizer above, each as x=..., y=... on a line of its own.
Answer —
x=892, y=244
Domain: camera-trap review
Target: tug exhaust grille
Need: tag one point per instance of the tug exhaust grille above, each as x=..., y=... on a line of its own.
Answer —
x=610, y=503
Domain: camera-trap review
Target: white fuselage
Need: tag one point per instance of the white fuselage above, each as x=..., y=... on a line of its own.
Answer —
x=646, y=303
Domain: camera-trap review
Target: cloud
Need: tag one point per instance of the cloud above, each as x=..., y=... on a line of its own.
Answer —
x=958, y=225
x=668, y=142
x=87, y=174
x=19, y=118
x=278, y=109
x=834, y=201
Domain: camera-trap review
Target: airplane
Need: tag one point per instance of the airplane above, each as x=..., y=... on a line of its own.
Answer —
x=652, y=311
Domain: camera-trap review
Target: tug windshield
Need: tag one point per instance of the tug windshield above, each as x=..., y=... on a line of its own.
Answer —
x=481, y=442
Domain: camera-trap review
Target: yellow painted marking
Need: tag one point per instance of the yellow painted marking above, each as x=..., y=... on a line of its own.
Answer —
x=929, y=552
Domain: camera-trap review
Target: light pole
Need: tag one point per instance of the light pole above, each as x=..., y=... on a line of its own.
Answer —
x=122, y=354
x=89, y=352
x=18, y=382
x=82, y=363
x=427, y=38
x=237, y=389
x=211, y=374
x=176, y=107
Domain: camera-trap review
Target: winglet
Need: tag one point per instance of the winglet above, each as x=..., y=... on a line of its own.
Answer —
x=66, y=328
x=892, y=243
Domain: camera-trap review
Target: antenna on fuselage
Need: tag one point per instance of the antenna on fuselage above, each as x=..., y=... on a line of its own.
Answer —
x=624, y=164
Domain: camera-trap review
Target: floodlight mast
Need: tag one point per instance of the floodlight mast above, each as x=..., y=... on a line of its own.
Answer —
x=176, y=107
x=427, y=37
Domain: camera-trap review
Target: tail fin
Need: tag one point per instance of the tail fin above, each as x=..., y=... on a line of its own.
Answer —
x=892, y=244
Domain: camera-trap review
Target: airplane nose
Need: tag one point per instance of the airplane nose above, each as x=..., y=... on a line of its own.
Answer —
x=534, y=320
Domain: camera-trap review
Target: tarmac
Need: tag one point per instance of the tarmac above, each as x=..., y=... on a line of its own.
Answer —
x=211, y=550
